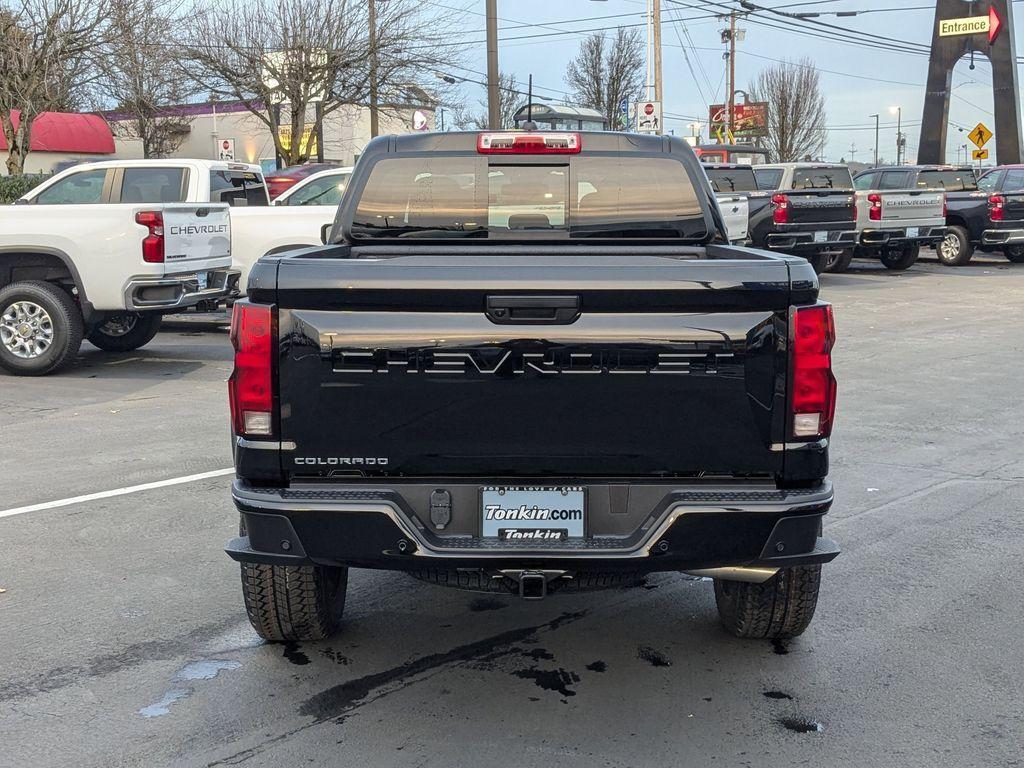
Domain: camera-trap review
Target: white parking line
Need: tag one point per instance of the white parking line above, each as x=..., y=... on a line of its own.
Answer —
x=115, y=492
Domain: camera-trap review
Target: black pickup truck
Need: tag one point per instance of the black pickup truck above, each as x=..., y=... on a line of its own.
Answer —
x=527, y=362
x=813, y=212
x=986, y=213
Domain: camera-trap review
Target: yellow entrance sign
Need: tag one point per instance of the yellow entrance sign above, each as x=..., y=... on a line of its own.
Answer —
x=980, y=135
x=970, y=25
x=979, y=154
x=307, y=141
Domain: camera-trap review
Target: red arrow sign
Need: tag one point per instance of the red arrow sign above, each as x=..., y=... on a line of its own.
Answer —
x=994, y=24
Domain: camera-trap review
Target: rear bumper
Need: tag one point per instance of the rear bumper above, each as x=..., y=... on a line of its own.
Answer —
x=1002, y=236
x=692, y=528
x=179, y=291
x=899, y=236
x=811, y=241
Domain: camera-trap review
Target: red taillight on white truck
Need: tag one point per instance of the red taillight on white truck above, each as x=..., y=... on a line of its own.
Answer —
x=780, y=209
x=528, y=143
x=875, y=211
x=153, y=243
x=250, y=388
x=996, y=207
x=812, y=385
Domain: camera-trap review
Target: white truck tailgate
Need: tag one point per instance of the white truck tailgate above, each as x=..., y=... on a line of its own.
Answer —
x=197, y=236
x=735, y=211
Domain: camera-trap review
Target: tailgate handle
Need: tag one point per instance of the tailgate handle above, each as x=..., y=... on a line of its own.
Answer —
x=526, y=310
x=201, y=212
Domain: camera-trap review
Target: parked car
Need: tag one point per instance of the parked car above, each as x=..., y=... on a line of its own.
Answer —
x=967, y=205
x=812, y=212
x=738, y=196
x=281, y=181
x=323, y=188
x=102, y=251
x=257, y=228
x=593, y=386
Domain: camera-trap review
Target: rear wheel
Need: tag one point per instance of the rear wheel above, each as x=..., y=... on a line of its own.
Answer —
x=1014, y=253
x=903, y=258
x=818, y=261
x=40, y=328
x=955, y=250
x=781, y=607
x=125, y=331
x=290, y=603
x=839, y=261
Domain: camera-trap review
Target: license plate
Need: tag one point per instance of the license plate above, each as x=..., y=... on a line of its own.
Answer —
x=520, y=514
x=912, y=231
x=821, y=237
x=203, y=278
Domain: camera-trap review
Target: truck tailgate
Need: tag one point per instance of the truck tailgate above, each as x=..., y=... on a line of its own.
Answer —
x=197, y=236
x=917, y=207
x=618, y=365
x=735, y=212
x=821, y=207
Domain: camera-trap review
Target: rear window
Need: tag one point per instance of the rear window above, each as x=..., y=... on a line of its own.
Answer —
x=768, y=178
x=951, y=181
x=587, y=196
x=732, y=179
x=822, y=178
x=237, y=188
x=153, y=185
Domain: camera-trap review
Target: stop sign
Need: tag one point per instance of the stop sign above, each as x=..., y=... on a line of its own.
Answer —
x=226, y=144
x=648, y=109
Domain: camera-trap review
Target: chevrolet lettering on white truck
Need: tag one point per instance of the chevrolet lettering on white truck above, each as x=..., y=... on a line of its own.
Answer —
x=570, y=378
x=102, y=252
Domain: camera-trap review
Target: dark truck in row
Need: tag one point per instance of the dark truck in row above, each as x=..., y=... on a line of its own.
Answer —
x=986, y=212
x=531, y=362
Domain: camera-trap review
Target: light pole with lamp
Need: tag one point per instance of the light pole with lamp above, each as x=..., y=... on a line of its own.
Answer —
x=876, y=138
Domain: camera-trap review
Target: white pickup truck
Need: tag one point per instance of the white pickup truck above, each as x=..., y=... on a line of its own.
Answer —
x=79, y=259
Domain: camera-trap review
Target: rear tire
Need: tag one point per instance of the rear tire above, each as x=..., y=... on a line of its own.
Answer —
x=40, y=328
x=839, y=262
x=291, y=603
x=125, y=331
x=955, y=250
x=904, y=258
x=1014, y=253
x=818, y=262
x=779, y=608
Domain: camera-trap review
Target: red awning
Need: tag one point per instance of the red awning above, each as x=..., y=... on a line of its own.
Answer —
x=68, y=132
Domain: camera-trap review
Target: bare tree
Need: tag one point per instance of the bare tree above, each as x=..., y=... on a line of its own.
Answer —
x=511, y=96
x=142, y=75
x=605, y=72
x=47, y=55
x=796, y=110
x=300, y=53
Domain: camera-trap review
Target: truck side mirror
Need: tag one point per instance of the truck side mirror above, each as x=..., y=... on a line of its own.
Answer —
x=325, y=232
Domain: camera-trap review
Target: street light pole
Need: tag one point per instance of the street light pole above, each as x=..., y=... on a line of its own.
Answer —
x=493, y=92
x=876, y=139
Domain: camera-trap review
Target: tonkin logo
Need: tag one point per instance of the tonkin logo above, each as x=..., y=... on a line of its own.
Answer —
x=532, y=534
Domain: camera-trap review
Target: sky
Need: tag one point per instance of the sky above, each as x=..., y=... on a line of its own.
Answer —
x=857, y=82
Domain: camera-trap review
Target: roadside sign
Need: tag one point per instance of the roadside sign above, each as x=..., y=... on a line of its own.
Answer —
x=972, y=25
x=226, y=149
x=648, y=116
x=624, y=106
x=749, y=119
x=979, y=154
x=980, y=135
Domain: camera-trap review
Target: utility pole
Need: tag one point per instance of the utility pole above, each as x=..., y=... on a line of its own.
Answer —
x=374, y=121
x=493, y=92
x=732, y=73
x=657, y=50
x=876, y=139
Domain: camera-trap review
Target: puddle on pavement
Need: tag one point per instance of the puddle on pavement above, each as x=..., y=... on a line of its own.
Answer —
x=653, y=657
x=557, y=680
x=597, y=666
x=777, y=695
x=163, y=706
x=801, y=724
x=196, y=670
x=294, y=655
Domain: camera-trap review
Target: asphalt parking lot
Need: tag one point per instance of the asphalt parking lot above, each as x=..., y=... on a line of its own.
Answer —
x=125, y=642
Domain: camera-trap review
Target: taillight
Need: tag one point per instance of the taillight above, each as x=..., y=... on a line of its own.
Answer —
x=875, y=211
x=528, y=143
x=780, y=209
x=250, y=388
x=812, y=386
x=153, y=243
x=995, y=207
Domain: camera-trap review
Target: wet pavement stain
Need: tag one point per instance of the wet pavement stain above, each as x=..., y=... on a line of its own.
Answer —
x=597, y=666
x=557, y=680
x=486, y=604
x=339, y=700
x=206, y=670
x=336, y=656
x=540, y=654
x=801, y=724
x=777, y=695
x=294, y=655
x=163, y=706
x=653, y=657
x=780, y=647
